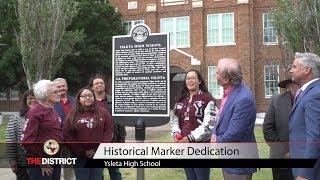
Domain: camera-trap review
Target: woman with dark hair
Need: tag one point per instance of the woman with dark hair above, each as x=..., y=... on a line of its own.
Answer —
x=86, y=126
x=194, y=117
x=15, y=153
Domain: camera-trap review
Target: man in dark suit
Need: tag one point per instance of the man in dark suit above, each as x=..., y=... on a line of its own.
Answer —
x=304, y=121
x=276, y=127
x=237, y=114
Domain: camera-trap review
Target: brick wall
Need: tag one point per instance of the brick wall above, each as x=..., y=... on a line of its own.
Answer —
x=248, y=48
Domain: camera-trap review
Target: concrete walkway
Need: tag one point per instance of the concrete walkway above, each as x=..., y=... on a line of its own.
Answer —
x=6, y=174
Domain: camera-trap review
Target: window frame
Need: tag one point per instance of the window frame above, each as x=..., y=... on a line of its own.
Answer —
x=220, y=87
x=220, y=43
x=265, y=81
x=263, y=31
x=174, y=24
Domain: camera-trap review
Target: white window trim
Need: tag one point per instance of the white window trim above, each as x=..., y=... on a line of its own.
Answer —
x=220, y=87
x=174, y=44
x=173, y=2
x=220, y=32
x=218, y=44
x=264, y=77
x=267, y=43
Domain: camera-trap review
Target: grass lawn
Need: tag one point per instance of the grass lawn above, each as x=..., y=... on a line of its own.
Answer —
x=178, y=173
x=166, y=173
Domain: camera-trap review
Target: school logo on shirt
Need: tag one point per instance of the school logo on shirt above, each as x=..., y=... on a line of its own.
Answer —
x=51, y=147
x=198, y=105
x=88, y=121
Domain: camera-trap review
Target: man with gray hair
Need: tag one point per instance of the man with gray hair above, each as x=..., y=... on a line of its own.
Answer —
x=237, y=115
x=304, y=121
x=63, y=107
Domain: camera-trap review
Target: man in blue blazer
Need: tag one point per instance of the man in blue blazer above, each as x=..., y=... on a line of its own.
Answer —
x=304, y=121
x=237, y=114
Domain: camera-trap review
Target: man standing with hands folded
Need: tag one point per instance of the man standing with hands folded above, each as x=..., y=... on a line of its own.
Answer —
x=237, y=114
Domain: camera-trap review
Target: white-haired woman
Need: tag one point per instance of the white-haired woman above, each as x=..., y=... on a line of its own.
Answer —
x=42, y=124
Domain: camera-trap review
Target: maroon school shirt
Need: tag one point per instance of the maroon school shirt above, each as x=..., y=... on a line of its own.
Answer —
x=89, y=135
x=189, y=113
x=42, y=123
x=102, y=103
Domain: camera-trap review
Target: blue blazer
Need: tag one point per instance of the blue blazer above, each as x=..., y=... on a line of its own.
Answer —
x=236, y=122
x=57, y=106
x=304, y=128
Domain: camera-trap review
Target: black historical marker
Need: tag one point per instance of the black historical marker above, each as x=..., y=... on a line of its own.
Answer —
x=140, y=86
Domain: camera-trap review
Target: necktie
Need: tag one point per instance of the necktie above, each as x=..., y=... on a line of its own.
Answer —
x=297, y=95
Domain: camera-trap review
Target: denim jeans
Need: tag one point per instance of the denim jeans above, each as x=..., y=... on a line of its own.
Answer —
x=82, y=173
x=35, y=173
x=197, y=173
x=114, y=173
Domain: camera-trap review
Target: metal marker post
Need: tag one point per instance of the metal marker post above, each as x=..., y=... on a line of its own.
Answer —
x=140, y=136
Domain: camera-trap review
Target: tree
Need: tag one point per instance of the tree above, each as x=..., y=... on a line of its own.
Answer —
x=12, y=74
x=43, y=39
x=100, y=22
x=298, y=23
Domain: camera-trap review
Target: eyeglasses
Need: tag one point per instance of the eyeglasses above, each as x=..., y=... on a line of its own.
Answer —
x=31, y=99
x=191, y=78
x=84, y=96
x=54, y=92
x=97, y=83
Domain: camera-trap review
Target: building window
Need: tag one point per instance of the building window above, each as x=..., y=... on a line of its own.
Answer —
x=271, y=79
x=130, y=24
x=220, y=29
x=3, y=95
x=213, y=87
x=178, y=28
x=173, y=2
x=14, y=93
x=269, y=31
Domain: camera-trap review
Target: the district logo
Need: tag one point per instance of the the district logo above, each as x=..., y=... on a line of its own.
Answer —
x=51, y=147
x=140, y=33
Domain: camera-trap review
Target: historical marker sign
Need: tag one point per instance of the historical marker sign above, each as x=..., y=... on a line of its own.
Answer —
x=141, y=74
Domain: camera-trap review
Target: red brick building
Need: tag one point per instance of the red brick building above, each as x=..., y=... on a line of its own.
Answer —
x=204, y=31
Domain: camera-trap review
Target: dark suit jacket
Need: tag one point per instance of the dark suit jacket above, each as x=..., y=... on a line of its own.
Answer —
x=57, y=106
x=304, y=128
x=276, y=124
x=236, y=122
